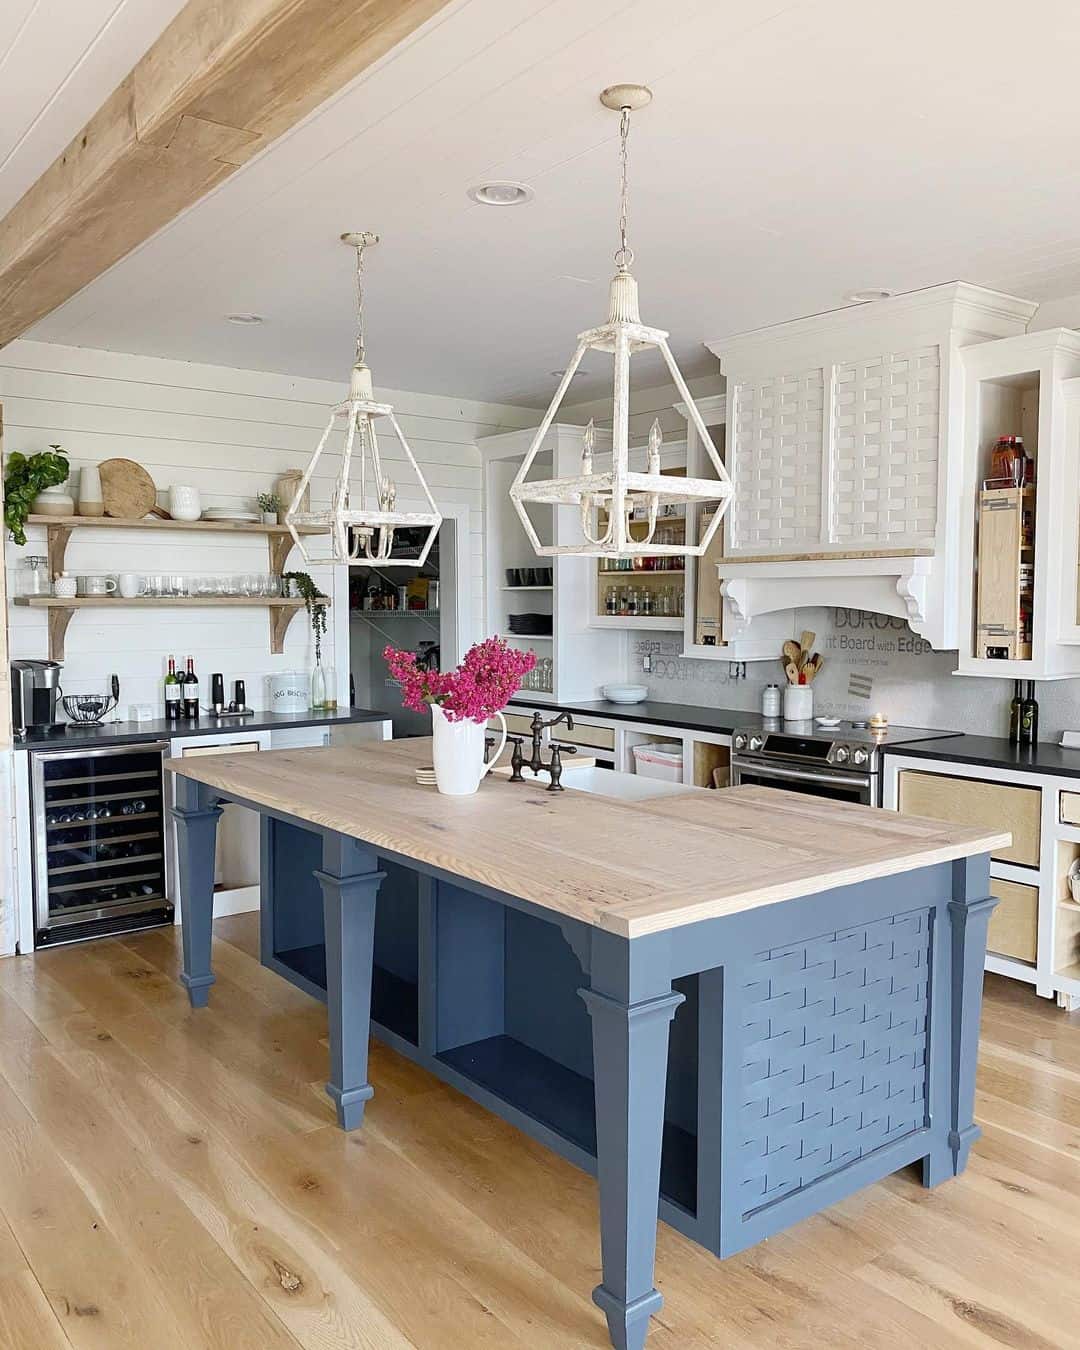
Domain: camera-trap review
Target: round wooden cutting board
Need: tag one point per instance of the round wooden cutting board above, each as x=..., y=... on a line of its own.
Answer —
x=127, y=489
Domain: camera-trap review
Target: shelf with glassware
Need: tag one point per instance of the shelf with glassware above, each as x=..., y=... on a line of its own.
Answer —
x=1019, y=541
x=554, y=596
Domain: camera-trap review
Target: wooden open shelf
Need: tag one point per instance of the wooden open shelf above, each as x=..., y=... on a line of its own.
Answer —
x=60, y=608
x=58, y=530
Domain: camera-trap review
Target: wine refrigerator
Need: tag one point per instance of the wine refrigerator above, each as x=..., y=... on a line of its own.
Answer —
x=100, y=841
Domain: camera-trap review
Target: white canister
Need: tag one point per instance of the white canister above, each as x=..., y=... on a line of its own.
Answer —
x=798, y=703
x=770, y=701
x=184, y=502
x=65, y=587
x=290, y=691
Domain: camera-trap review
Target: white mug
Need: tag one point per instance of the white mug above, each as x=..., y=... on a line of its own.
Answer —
x=131, y=585
x=65, y=587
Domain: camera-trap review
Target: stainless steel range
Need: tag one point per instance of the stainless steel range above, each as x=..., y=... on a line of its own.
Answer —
x=842, y=762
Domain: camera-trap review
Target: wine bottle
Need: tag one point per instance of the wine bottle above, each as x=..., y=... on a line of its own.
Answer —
x=191, y=690
x=173, y=693
x=1014, y=713
x=1029, y=717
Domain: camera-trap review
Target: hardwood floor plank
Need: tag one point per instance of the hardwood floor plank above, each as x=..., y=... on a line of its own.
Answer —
x=201, y=1146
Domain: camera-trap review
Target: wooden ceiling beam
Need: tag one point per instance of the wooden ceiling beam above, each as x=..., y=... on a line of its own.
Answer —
x=221, y=82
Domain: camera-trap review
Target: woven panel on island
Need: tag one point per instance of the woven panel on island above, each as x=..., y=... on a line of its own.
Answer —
x=833, y=1053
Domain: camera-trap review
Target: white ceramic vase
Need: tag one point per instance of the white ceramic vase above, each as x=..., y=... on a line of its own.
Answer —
x=798, y=703
x=91, y=502
x=54, y=501
x=459, y=753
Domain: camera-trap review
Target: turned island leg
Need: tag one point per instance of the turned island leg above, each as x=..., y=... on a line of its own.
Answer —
x=969, y=913
x=196, y=813
x=350, y=882
x=631, y=1018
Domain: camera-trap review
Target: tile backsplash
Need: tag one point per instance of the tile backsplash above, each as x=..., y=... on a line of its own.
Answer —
x=873, y=663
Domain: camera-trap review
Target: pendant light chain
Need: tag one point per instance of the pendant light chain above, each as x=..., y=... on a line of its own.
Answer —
x=624, y=255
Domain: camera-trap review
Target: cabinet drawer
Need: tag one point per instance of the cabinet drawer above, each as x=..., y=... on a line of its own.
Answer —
x=597, y=738
x=1014, y=924
x=972, y=801
x=516, y=724
x=584, y=733
x=1069, y=808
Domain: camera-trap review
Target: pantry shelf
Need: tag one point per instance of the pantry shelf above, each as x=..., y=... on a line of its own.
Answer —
x=61, y=609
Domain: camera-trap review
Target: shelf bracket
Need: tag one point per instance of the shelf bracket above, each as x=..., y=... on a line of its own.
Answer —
x=281, y=616
x=58, y=536
x=59, y=618
x=279, y=546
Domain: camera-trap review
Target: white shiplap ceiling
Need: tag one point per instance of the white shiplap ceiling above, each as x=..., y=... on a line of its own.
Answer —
x=797, y=150
x=59, y=61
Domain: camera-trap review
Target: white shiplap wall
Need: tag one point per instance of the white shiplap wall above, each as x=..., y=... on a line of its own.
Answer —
x=230, y=433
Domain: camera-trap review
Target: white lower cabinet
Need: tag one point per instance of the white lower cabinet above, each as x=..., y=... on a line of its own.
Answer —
x=1035, y=929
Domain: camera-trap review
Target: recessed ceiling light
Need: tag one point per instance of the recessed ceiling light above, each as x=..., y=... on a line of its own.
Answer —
x=500, y=192
x=244, y=318
x=576, y=375
x=871, y=293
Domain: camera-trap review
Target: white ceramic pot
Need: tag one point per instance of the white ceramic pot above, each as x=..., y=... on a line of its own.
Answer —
x=65, y=587
x=54, y=501
x=459, y=753
x=184, y=502
x=798, y=703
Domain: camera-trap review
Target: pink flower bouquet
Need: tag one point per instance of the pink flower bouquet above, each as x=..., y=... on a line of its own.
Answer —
x=481, y=686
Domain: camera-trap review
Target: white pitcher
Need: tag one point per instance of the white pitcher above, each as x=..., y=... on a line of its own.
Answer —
x=459, y=753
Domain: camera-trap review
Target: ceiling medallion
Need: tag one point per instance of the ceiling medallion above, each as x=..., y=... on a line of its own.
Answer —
x=607, y=501
x=363, y=513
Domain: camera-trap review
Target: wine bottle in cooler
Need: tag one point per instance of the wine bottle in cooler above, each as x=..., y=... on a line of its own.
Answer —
x=174, y=696
x=191, y=690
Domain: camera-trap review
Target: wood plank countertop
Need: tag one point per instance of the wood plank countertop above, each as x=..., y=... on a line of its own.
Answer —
x=629, y=867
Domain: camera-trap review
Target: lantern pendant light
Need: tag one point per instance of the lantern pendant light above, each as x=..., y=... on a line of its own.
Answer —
x=608, y=500
x=368, y=507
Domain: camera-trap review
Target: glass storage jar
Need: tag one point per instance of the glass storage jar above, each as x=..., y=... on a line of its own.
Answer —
x=34, y=576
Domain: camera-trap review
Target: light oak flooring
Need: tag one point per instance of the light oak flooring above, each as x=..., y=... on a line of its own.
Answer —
x=170, y=1179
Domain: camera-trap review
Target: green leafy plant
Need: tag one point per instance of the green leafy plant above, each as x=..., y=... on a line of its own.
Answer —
x=269, y=501
x=26, y=476
x=314, y=603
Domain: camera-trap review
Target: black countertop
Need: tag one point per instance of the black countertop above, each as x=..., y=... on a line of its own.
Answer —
x=720, y=720
x=995, y=752
x=131, y=733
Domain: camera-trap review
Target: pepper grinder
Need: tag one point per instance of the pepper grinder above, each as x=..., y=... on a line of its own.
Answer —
x=217, y=694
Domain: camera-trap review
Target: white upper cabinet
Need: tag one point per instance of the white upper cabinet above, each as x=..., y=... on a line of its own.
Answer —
x=844, y=449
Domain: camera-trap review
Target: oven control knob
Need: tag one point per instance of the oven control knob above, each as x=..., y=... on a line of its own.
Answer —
x=756, y=742
x=840, y=754
x=739, y=742
x=860, y=756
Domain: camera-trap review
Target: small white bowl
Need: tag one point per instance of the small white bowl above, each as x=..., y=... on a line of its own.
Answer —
x=625, y=693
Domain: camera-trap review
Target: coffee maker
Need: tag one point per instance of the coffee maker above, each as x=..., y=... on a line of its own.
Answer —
x=35, y=695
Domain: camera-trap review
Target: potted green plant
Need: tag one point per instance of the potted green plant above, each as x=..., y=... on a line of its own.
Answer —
x=269, y=505
x=27, y=476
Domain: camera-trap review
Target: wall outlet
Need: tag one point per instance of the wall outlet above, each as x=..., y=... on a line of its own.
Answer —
x=646, y=663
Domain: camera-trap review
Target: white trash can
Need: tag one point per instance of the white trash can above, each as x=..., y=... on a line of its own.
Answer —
x=663, y=760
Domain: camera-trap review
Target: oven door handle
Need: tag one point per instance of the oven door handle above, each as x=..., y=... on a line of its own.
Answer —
x=801, y=775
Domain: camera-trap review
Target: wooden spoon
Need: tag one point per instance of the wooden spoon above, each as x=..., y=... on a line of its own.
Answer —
x=792, y=650
x=807, y=640
x=792, y=672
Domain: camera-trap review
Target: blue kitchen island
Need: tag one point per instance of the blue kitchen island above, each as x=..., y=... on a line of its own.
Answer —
x=734, y=1007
